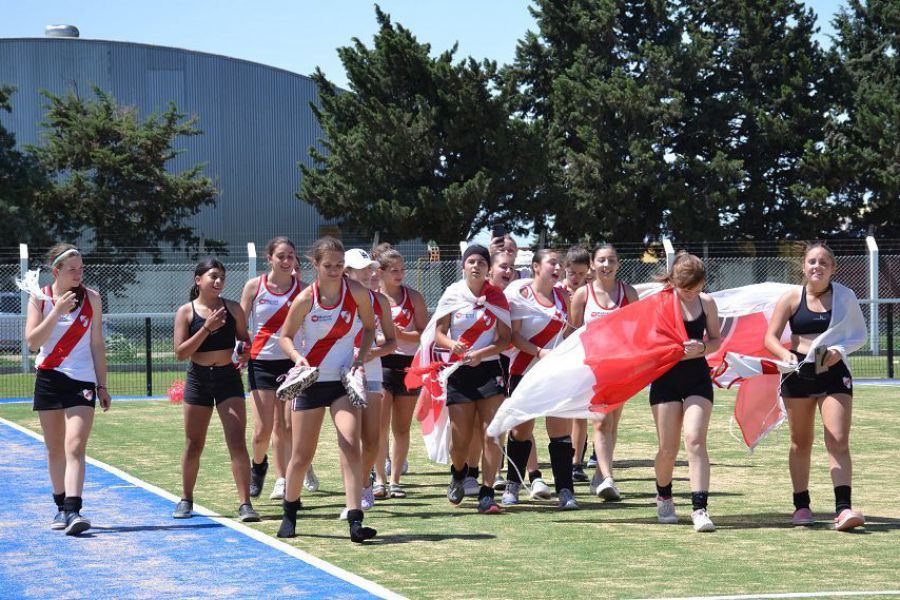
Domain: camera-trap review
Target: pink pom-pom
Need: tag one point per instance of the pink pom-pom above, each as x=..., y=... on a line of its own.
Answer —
x=176, y=391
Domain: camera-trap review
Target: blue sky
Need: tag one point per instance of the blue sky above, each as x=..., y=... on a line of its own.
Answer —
x=298, y=35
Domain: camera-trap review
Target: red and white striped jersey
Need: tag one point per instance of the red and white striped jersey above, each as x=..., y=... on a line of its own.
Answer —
x=372, y=367
x=476, y=326
x=541, y=324
x=403, y=315
x=68, y=349
x=267, y=315
x=327, y=334
x=592, y=308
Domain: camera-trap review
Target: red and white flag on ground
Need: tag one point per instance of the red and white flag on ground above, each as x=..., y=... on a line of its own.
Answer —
x=430, y=370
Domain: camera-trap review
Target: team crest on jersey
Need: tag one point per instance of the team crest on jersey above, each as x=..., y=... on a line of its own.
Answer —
x=405, y=312
x=848, y=382
x=88, y=394
x=345, y=315
x=84, y=321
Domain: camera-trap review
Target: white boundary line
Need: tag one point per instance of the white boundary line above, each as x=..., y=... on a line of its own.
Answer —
x=792, y=595
x=365, y=584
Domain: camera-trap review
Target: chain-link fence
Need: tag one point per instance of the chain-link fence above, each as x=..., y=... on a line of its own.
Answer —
x=140, y=300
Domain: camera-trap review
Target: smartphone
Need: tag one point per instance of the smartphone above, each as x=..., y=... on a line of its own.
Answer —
x=821, y=351
x=498, y=231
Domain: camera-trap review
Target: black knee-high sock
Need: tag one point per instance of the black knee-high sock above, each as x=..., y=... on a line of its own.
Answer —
x=561, y=454
x=72, y=504
x=59, y=499
x=841, y=498
x=518, y=452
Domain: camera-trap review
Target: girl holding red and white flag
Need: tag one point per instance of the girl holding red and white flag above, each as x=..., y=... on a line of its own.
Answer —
x=596, y=300
x=682, y=398
x=826, y=326
x=266, y=300
x=64, y=323
x=539, y=313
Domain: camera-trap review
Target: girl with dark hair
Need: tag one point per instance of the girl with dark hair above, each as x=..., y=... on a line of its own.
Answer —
x=205, y=332
x=64, y=323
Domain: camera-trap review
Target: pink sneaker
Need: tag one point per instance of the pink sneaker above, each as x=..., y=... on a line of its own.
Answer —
x=802, y=516
x=848, y=519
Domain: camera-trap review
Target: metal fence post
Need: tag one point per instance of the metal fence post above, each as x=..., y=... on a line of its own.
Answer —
x=23, y=305
x=890, y=341
x=874, y=333
x=251, y=260
x=670, y=253
x=148, y=344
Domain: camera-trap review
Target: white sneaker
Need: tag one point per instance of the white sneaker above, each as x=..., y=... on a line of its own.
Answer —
x=701, y=520
x=471, y=487
x=368, y=499
x=295, y=381
x=540, y=490
x=355, y=383
x=596, y=480
x=499, y=483
x=608, y=490
x=278, y=490
x=511, y=494
x=665, y=511
x=310, y=481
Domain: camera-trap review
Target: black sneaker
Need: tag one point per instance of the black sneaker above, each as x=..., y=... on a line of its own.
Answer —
x=59, y=521
x=288, y=528
x=579, y=475
x=184, y=510
x=359, y=533
x=258, y=477
x=456, y=491
x=76, y=524
x=246, y=514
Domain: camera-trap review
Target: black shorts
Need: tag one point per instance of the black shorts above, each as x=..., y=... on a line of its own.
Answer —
x=262, y=374
x=686, y=378
x=470, y=384
x=393, y=371
x=209, y=386
x=321, y=394
x=55, y=391
x=806, y=383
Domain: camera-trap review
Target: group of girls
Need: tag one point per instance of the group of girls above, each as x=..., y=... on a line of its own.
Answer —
x=358, y=316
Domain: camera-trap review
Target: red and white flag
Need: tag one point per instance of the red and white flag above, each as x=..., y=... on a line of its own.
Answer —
x=431, y=367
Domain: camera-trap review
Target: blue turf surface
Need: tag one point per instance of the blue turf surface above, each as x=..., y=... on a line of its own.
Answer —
x=135, y=549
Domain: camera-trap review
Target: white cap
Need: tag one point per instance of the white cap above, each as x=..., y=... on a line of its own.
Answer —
x=355, y=258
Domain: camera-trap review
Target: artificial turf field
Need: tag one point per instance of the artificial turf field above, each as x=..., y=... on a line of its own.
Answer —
x=428, y=548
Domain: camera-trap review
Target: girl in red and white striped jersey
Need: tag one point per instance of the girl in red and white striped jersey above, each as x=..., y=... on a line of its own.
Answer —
x=410, y=316
x=539, y=313
x=603, y=296
x=323, y=316
x=65, y=326
x=266, y=300
x=361, y=268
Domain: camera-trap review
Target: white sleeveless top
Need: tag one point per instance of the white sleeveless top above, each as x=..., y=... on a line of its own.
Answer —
x=403, y=316
x=267, y=315
x=541, y=324
x=79, y=362
x=476, y=326
x=593, y=310
x=327, y=334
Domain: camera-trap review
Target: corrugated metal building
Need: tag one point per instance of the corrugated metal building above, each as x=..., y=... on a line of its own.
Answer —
x=256, y=120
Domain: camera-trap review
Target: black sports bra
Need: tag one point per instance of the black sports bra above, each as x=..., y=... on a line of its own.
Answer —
x=220, y=339
x=696, y=328
x=807, y=322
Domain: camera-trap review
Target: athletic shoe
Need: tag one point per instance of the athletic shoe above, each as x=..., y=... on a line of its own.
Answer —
x=499, y=484
x=405, y=467
x=511, y=494
x=278, y=490
x=368, y=499
x=295, y=381
x=288, y=528
x=849, y=519
x=59, y=521
x=540, y=490
x=246, y=514
x=802, y=516
x=360, y=533
x=76, y=524
x=470, y=486
x=310, y=481
x=456, y=491
x=665, y=511
x=355, y=383
x=184, y=510
x=701, y=520
x=608, y=490
x=567, y=500
x=578, y=474
x=258, y=477
x=592, y=461
x=487, y=506
x=596, y=480
x=397, y=491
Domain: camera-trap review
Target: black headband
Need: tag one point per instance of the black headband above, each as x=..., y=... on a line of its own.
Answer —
x=479, y=250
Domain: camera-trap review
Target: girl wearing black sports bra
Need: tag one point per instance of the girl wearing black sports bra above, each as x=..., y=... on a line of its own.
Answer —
x=808, y=310
x=205, y=332
x=683, y=397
